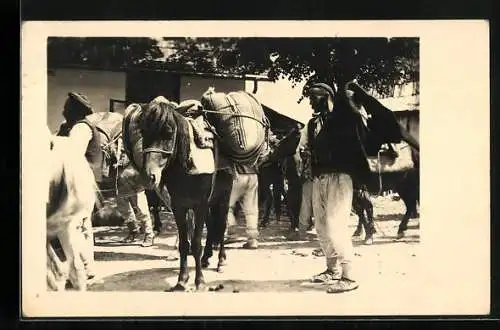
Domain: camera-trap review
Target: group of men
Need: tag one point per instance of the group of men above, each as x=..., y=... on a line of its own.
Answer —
x=333, y=157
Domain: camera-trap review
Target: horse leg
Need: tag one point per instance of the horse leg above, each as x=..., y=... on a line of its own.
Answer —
x=368, y=219
x=157, y=222
x=200, y=215
x=182, y=228
x=154, y=208
x=293, y=204
x=267, y=197
x=409, y=194
x=220, y=228
x=72, y=242
x=278, y=191
x=358, y=210
x=210, y=241
x=369, y=213
x=410, y=210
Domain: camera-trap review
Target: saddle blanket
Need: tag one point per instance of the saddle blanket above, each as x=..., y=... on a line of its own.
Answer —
x=201, y=158
x=203, y=137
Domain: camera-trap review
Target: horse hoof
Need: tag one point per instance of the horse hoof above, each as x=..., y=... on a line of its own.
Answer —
x=199, y=282
x=357, y=233
x=401, y=234
x=219, y=269
x=178, y=287
x=369, y=241
x=183, y=280
x=222, y=262
x=204, y=263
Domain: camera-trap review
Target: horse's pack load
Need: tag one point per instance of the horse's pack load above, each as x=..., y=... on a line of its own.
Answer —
x=109, y=127
x=387, y=145
x=397, y=160
x=240, y=122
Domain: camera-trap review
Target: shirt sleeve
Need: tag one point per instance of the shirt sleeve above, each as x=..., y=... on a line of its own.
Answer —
x=81, y=134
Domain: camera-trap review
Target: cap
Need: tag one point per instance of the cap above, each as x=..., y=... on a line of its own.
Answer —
x=78, y=102
x=320, y=89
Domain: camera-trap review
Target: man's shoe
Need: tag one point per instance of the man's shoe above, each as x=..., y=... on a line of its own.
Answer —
x=251, y=244
x=326, y=277
x=342, y=285
x=131, y=238
x=148, y=240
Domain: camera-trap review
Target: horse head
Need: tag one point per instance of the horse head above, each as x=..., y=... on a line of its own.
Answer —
x=165, y=139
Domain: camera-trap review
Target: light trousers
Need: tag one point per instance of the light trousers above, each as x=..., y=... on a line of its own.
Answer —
x=306, y=205
x=135, y=210
x=245, y=191
x=332, y=200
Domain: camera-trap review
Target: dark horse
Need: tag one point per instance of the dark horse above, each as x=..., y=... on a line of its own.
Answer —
x=166, y=149
x=405, y=183
x=155, y=203
x=281, y=165
x=270, y=174
x=390, y=129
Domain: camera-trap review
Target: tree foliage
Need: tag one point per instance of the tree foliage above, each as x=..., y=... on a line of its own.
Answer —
x=105, y=52
x=377, y=63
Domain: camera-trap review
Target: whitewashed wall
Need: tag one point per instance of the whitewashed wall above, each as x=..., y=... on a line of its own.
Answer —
x=99, y=86
x=281, y=97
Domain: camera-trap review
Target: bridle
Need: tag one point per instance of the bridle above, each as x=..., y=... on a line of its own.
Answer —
x=168, y=151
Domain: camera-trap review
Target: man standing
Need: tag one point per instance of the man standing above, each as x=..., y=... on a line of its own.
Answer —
x=337, y=159
x=244, y=192
x=134, y=208
x=85, y=138
x=306, y=204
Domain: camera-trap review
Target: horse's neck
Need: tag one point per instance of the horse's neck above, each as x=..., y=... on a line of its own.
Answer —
x=181, y=153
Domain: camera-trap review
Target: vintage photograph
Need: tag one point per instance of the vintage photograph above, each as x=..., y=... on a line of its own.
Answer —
x=225, y=166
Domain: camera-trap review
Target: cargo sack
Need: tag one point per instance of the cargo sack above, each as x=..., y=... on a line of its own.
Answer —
x=240, y=122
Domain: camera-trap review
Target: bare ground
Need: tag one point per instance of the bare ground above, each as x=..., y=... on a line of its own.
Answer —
x=277, y=265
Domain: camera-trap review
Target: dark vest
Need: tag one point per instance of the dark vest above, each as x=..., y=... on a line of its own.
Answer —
x=337, y=147
x=94, y=152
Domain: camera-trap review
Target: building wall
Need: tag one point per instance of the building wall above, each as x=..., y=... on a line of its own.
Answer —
x=282, y=97
x=144, y=86
x=192, y=87
x=99, y=86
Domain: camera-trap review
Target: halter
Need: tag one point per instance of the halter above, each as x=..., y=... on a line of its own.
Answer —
x=170, y=149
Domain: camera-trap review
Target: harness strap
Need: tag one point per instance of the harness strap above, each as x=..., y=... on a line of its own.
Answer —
x=378, y=160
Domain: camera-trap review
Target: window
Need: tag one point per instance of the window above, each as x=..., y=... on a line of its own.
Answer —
x=117, y=106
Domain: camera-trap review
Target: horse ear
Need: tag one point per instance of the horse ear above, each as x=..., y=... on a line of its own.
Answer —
x=161, y=99
x=210, y=90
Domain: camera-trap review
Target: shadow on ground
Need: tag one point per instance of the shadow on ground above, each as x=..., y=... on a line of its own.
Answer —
x=140, y=280
x=123, y=256
x=155, y=280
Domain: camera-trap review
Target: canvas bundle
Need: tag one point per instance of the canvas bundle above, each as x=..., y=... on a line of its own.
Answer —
x=240, y=122
x=386, y=162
